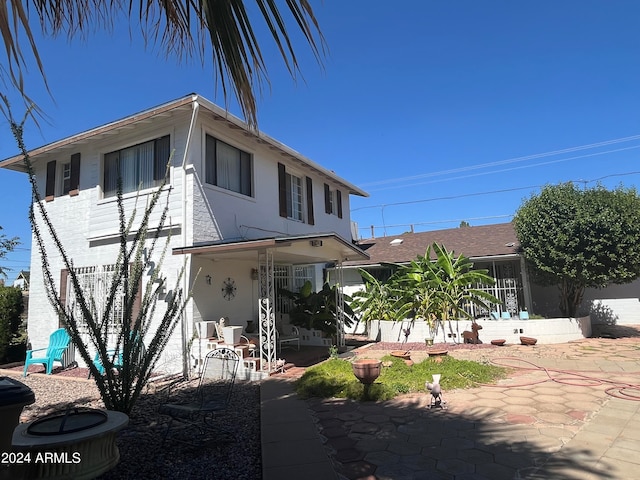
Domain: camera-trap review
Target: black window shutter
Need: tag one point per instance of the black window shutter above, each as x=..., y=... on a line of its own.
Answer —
x=310, y=219
x=327, y=199
x=75, y=172
x=282, y=190
x=162, y=152
x=210, y=161
x=50, y=188
x=339, y=202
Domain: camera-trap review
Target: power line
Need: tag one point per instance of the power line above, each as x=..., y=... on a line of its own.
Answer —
x=435, y=222
x=512, y=160
x=493, y=172
x=491, y=192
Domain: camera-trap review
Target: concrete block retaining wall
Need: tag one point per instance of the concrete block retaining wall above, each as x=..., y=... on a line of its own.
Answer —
x=552, y=330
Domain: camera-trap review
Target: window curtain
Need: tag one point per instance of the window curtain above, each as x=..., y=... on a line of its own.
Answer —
x=228, y=167
x=146, y=166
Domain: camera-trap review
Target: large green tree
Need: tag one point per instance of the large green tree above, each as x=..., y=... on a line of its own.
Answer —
x=578, y=238
x=182, y=28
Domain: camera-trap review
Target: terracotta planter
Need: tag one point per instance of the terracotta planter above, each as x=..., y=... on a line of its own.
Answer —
x=366, y=370
x=401, y=354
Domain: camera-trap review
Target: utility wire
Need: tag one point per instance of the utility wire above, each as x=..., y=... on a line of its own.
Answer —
x=491, y=192
x=509, y=161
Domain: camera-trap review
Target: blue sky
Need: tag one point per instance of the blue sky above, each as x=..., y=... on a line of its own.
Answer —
x=442, y=111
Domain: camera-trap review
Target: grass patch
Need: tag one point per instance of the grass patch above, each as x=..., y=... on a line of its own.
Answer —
x=334, y=378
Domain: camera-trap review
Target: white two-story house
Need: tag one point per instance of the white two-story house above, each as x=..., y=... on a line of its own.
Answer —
x=247, y=215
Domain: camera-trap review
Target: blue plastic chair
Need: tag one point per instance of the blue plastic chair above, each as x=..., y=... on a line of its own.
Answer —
x=116, y=358
x=58, y=343
x=524, y=315
x=495, y=315
x=506, y=316
x=116, y=361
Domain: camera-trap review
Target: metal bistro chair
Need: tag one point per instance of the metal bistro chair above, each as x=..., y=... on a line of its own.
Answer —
x=291, y=339
x=211, y=398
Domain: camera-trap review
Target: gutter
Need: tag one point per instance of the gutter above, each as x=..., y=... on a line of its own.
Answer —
x=183, y=234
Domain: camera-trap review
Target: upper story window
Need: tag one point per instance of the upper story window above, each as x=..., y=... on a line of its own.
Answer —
x=141, y=166
x=66, y=178
x=332, y=201
x=227, y=167
x=63, y=178
x=295, y=195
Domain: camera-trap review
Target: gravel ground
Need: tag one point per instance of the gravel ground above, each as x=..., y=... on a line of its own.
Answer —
x=142, y=454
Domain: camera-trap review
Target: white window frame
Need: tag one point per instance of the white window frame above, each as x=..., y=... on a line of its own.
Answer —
x=139, y=179
x=292, y=278
x=65, y=178
x=296, y=204
x=333, y=202
x=243, y=164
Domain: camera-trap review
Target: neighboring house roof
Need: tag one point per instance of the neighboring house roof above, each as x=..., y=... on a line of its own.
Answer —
x=25, y=274
x=185, y=103
x=498, y=240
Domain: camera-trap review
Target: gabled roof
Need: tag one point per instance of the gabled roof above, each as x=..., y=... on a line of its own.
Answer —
x=498, y=240
x=186, y=103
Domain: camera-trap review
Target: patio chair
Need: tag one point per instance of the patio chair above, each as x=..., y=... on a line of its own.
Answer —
x=116, y=358
x=115, y=362
x=293, y=338
x=524, y=315
x=495, y=315
x=58, y=343
x=506, y=316
x=198, y=410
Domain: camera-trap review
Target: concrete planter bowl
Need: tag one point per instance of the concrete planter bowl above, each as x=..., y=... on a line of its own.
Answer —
x=367, y=370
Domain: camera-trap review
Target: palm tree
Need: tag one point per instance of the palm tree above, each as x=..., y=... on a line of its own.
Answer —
x=183, y=28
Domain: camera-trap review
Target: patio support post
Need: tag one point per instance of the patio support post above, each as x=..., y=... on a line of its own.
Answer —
x=526, y=287
x=339, y=305
x=266, y=303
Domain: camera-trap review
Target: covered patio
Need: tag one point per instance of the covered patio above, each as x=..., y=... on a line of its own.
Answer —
x=240, y=281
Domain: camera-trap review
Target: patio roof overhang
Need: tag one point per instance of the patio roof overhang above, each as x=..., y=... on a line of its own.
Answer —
x=319, y=248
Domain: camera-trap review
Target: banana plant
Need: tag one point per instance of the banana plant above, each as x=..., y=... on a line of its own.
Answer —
x=439, y=290
x=379, y=300
x=317, y=310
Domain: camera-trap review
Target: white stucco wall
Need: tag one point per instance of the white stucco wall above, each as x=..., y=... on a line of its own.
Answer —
x=233, y=216
x=88, y=223
x=617, y=304
x=547, y=331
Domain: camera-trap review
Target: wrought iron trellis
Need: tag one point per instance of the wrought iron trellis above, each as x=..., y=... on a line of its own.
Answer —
x=268, y=341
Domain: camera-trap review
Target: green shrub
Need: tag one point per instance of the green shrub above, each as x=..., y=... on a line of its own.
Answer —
x=10, y=309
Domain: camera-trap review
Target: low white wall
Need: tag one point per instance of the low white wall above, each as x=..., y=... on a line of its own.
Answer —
x=552, y=330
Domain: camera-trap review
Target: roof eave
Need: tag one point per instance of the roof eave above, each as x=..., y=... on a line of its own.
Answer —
x=16, y=162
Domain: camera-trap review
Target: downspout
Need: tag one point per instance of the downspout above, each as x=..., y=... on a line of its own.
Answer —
x=186, y=278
